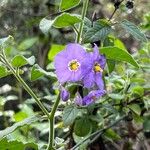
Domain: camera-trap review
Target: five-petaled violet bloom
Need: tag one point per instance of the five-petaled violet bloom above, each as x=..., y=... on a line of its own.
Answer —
x=92, y=68
x=68, y=63
x=75, y=64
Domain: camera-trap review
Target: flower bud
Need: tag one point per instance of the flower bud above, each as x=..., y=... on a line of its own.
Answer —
x=78, y=100
x=65, y=95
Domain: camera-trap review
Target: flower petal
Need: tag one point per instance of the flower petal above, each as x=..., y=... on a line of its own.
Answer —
x=63, y=76
x=99, y=81
x=88, y=80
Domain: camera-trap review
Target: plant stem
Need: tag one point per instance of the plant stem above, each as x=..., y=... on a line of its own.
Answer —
x=84, y=10
x=51, y=123
x=98, y=133
x=26, y=87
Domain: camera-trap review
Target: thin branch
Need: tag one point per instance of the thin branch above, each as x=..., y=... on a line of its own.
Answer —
x=98, y=133
x=116, y=8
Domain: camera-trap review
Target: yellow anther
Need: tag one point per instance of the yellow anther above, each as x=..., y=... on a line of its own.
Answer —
x=97, y=68
x=74, y=65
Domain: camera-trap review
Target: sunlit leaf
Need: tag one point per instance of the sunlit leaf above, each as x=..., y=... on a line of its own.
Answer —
x=45, y=25
x=112, y=135
x=55, y=49
x=135, y=108
x=67, y=4
x=3, y=71
x=3, y=41
x=37, y=72
x=118, y=54
x=66, y=20
x=19, y=61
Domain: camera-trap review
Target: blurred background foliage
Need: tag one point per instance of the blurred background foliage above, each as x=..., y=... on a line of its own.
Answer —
x=128, y=87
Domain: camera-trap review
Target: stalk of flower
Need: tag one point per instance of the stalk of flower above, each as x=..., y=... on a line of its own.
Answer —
x=68, y=63
x=94, y=64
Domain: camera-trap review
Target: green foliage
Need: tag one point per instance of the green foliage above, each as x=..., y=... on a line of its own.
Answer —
x=11, y=145
x=134, y=30
x=126, y=77
x=27, y=43
x=146, y=124
x=37, y=72
x=64, y=5
x=61, y=21
x=82, y=126
x=115, y=53
x=3, y=71
x=11, y=129
x=4, y=41
x=99, y=31
x=69, y=115
x=55, y=49
x=19, y=61
x=135, y=108
x=112, y=135
x=45, y=25
x=66, y=20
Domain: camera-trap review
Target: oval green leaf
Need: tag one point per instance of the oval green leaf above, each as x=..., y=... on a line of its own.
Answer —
x=118, y=54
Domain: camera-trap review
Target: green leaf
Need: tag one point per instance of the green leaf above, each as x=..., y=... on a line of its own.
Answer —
x=134, y=30
x=11, y=145
x=82, y=127
x=138, y=90
x=99, y=31
x=19, y=61
x=61, y=21
x=118, y=54
x=45, y=25
x=3, y=72
x=146, y=124
x=69, y=115
x=112, y=135
x=55, y=49
x=64, y=5
x=27, y=43
x=3, y=41
x=111, y=65
x=66, y=20
x=37, y=72
x=116, y=96
x=17, y=125
x=135, y=108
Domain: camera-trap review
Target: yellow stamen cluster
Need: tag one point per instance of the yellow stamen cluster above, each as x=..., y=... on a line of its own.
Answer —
x=73, y=65
x=97, y=68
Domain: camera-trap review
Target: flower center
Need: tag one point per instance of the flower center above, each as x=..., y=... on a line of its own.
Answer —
x=97, y=68
x=73, y=65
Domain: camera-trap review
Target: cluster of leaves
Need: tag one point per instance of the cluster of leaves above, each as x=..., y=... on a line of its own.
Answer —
x=126, y=83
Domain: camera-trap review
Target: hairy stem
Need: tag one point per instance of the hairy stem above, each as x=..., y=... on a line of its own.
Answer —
x=51, y=124
x=84, y=10
x=26, y=87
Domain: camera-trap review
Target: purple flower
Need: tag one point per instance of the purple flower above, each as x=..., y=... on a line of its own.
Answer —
x=93, y=96
x=79, y=100
x=68, y=63
x=64, y=94
x=92, y=68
